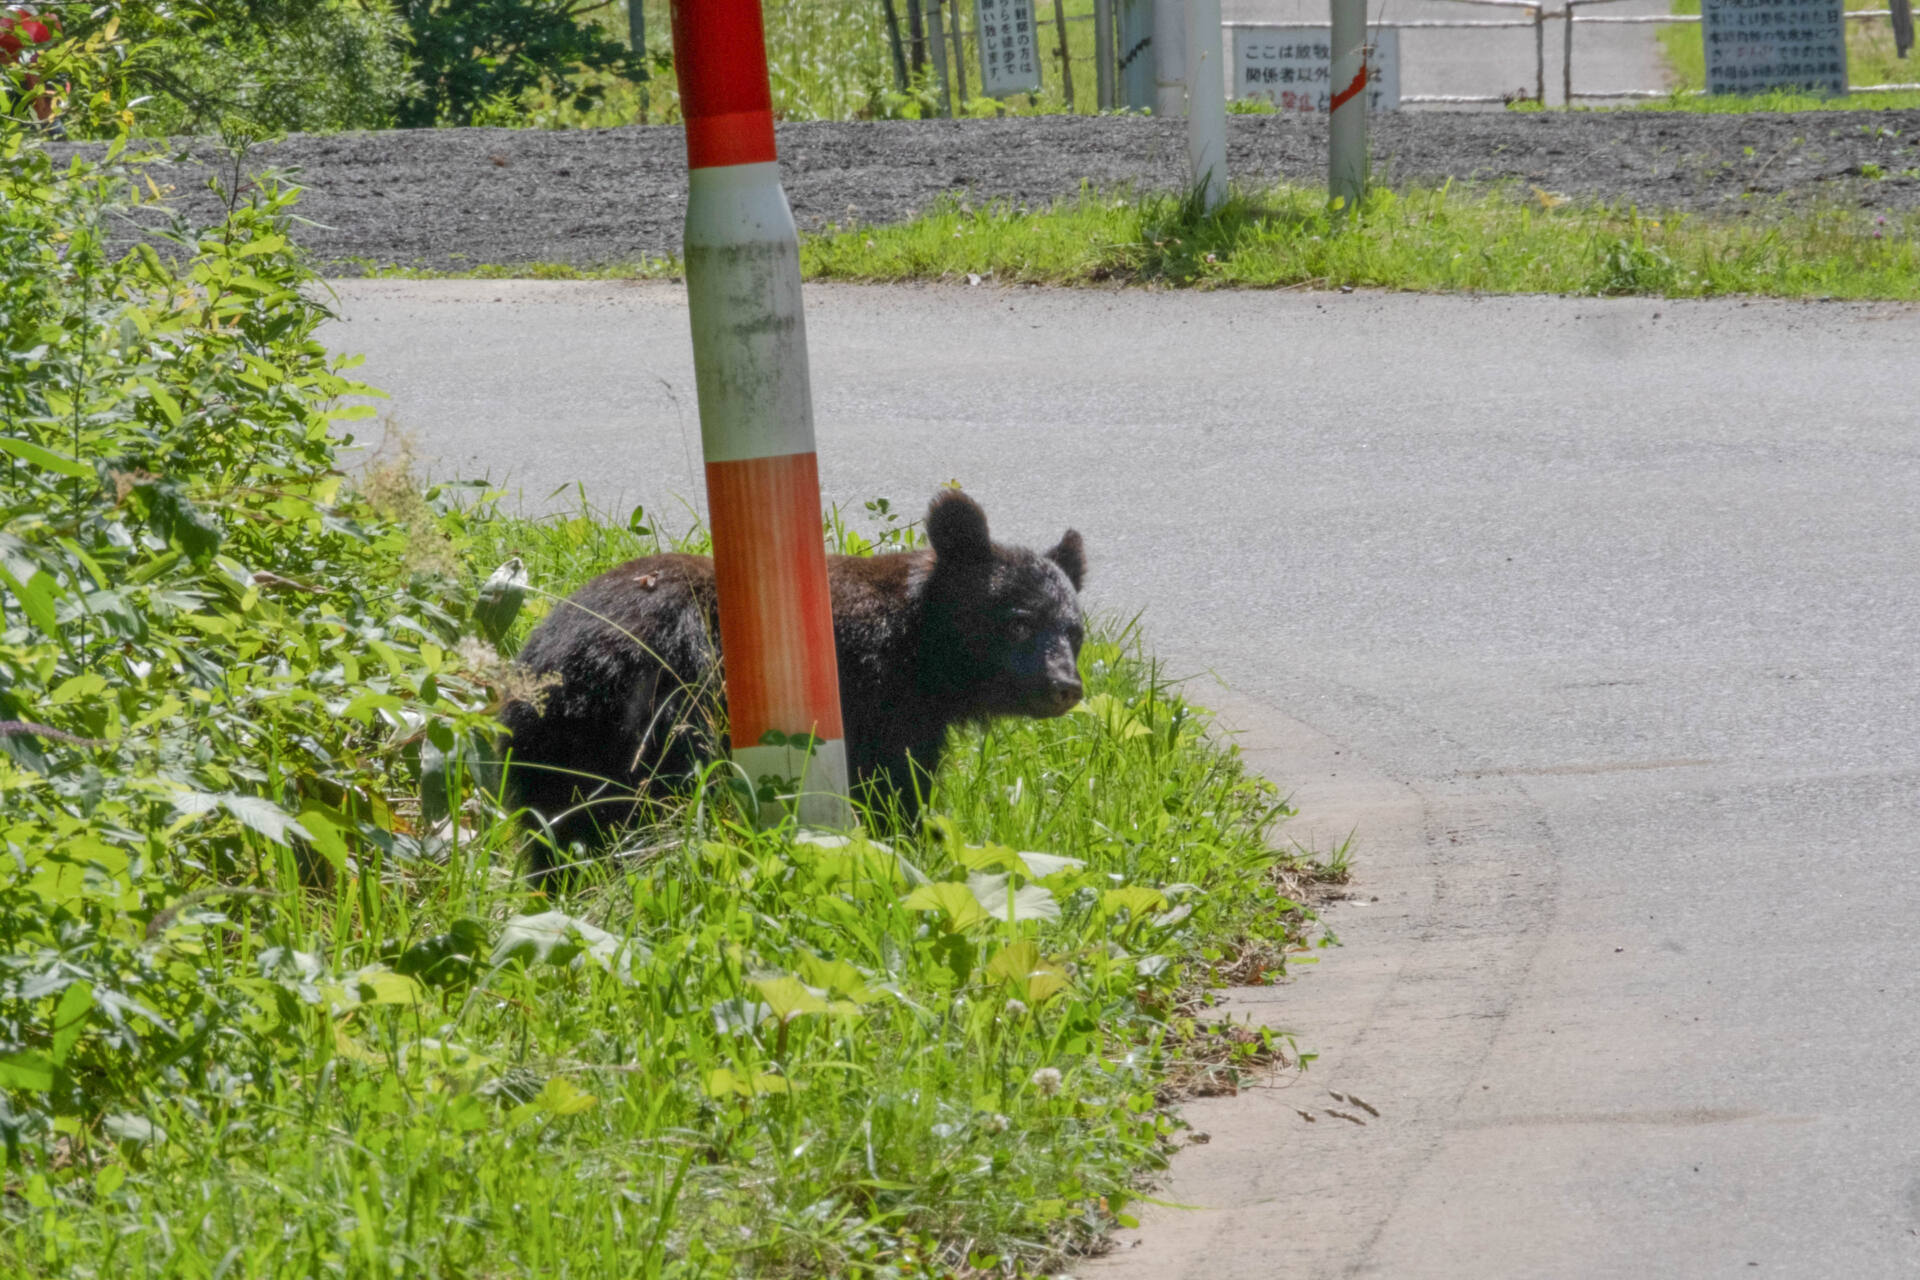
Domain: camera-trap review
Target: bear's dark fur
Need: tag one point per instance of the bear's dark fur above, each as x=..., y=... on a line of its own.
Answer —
x=926, y=640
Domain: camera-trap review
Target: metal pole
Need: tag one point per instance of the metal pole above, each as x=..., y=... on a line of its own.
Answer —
x=1347, y=126
x=1135, y=67
x=1540, y=55
x=756, y=415
x=1066, y=54
x=637, y=41
x=916, y=37
x=937, y=41
x=1103, y=54
x=1207, y=99
x=1566, y=63
x=894, y=44
x=959, y=58
x=1169, y=57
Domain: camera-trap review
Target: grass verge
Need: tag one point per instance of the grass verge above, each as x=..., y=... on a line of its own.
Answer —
x=735, y=1051
x=274, y=999
x=1424, y=239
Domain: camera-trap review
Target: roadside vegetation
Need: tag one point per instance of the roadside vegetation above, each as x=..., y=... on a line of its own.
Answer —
x=274, y=1000
x=1417, y=239
x=1428, y=239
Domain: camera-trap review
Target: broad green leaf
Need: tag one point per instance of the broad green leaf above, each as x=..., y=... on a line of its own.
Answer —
x=377, y=984
x=1021, y=965
x=70, y=1019
x=46, y=459
x=556, y=938
x=951, y=898
x=26, y=1069
x=326, y=839
x=36, y=596
x=499, y=600
x=789, y=997
x=988, y=857
x=562, y=1097
x=1136, y=899
x=256, y=813
x=837, y=977
x=724, y=1082
x=1042, y=865
x=131, y=1128
x=1029, y=903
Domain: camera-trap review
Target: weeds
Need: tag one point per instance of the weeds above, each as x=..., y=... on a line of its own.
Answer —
x=1427, y=239
x=274, y=999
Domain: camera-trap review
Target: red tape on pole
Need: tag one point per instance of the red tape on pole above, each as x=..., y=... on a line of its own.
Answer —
x=1351, y=91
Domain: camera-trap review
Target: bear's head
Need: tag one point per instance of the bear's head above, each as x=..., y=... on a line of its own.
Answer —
x=1003, y=623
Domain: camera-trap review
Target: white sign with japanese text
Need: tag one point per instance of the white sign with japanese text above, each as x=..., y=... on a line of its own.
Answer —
x=1756, y=45
x=1292, y=67
x=1009, y=47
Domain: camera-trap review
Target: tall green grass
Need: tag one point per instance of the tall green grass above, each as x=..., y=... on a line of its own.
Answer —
x=731, y=1050
x=1426, y=239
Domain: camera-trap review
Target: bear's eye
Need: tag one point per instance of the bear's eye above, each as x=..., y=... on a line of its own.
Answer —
x=1020, y=622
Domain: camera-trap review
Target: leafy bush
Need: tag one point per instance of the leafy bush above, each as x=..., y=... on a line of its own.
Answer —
x=187, y=599
x=475, y=59
x=270, y=65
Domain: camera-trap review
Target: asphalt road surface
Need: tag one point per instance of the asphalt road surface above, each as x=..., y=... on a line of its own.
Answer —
x=1597, y=622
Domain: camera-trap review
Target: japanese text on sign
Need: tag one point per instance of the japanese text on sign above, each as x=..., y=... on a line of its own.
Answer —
x=1756, y=45
x=1009, y=47
x=1292, y=67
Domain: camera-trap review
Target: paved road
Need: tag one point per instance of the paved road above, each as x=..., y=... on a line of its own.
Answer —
x=1599, y=620
x=1608, y=57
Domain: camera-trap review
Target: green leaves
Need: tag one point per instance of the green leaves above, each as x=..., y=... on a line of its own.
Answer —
x=46, y=459
x=499, y=601
x=558, y=939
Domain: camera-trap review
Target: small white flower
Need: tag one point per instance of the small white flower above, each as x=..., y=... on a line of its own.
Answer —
x=1047, y=1081
x=996, y=1123
x=1016, y=1009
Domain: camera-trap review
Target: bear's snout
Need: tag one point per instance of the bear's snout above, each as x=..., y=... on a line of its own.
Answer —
x=1063, y=694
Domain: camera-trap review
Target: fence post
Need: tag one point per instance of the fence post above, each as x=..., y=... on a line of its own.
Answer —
x=756, y=414
x=1902, y=11
x=894, y=45
x=1066, y=54
x=1347, y=108
x=1103, y=54
x=959, y=57
x=1566, y=62
x=1207, y=103
x=1540, y=55
x=1134, y=73
x=1169, y=57
x=937, y=41
x=916, y=38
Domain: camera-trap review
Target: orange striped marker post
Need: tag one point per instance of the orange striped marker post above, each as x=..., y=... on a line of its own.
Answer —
x=756, y=414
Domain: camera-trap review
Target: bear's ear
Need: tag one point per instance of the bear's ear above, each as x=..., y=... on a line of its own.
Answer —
x=957, y=527
x=1071, y=556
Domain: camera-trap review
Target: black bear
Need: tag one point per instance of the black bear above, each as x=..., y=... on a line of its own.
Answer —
x=926, y=640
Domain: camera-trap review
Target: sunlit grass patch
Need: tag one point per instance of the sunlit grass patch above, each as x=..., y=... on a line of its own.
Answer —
x=1422, y=239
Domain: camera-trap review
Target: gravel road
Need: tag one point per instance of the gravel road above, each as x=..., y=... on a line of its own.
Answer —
x=455, y=198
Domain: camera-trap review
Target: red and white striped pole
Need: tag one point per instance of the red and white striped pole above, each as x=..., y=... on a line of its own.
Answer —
x=756, y=412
